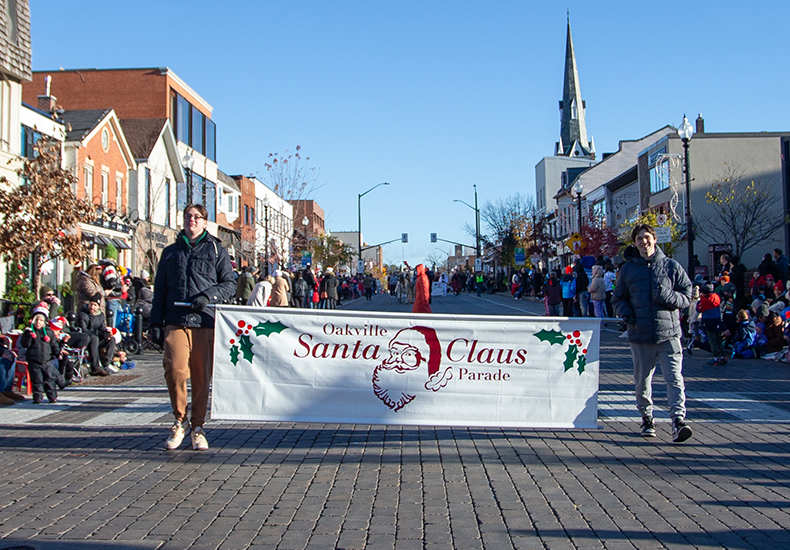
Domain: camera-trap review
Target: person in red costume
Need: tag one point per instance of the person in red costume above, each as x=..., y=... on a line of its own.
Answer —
x=422, y=292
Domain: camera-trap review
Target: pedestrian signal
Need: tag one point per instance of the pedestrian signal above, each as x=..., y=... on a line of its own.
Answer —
x=404, y=238
x=433, y=237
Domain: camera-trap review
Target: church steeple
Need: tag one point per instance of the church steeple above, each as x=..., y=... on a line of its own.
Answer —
x=573, y=129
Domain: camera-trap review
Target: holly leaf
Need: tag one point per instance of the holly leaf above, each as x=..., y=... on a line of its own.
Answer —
x=267, y=328
x=582, y=362
x=246, y=348
x=550, y=336
x=570, y=357
x=234, y=355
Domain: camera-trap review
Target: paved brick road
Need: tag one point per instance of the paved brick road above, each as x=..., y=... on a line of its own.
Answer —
x=90, y=472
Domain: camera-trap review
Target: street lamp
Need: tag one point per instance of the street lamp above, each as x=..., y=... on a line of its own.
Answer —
x=477, y=221
x=266, y=231
x=685, y=132
x=359, y=219
x=188, y=161
x=578, y=188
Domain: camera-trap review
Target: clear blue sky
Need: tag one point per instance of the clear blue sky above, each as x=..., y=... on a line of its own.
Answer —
x=433, y=97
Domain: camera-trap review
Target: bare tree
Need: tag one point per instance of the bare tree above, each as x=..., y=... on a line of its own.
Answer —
x=291, y=176
x=744, y=213
x=510, y=224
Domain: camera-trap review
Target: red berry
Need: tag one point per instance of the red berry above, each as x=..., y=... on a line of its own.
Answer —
x=249, y=327
x=232, y=341
x=241, y=324
x=578, y=342
x=576, y=333
x=570, y=337
x=239, y=332
x=584, y=351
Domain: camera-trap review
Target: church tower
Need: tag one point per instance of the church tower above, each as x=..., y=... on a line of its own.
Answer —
x=573, y=129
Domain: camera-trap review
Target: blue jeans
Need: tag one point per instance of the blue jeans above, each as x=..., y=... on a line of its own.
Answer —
x=669, y=355
x=7, y=372
x=584, y=302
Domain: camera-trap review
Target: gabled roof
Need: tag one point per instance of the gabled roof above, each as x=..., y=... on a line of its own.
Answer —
x=142, y=134
x=229, y=181
x=83, y=125
x=617, y=163
x=79, y=124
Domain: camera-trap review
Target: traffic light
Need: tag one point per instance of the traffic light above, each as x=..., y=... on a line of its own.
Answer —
x=433, y=237
x=404, y=238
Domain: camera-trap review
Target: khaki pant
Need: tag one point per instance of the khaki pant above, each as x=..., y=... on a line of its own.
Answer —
x=189, y=353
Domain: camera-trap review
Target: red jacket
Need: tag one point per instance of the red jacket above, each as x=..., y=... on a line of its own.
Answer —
x=422, y=292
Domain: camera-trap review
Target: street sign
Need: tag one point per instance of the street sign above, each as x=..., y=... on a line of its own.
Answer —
x=478, y=264
x=661, y=219
x=360, y=267
x=575, y=243
x=307, y=258
x=521, y=257
x=663, y=234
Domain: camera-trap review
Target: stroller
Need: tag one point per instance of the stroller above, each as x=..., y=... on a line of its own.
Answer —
x=124, y=322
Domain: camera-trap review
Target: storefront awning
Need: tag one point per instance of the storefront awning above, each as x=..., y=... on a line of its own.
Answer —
x=101, y=240
x=88, y=237
x=120, y=244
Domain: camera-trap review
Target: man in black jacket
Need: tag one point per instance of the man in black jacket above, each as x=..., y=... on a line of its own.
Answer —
x=648, y=293
x=195, y=270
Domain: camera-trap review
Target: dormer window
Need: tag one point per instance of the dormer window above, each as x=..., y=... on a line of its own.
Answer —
x=574, y=110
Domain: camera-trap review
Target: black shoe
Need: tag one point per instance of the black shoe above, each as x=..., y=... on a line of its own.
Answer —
x=680, y=431
x=36, y=401
x=648, y=428
x=100, y=371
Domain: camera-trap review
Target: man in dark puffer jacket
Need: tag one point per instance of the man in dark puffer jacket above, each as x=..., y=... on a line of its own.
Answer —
x=193, y=272
x=649, y=291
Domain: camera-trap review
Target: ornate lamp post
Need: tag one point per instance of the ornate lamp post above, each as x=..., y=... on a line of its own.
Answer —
x=188, y=161
x=684, y=133
x=578, y=188
x=266, y=231
x=359, y=216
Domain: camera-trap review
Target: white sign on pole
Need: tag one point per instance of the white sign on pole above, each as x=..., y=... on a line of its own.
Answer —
x=404, y=369
x=478, y=264
x=663, y=234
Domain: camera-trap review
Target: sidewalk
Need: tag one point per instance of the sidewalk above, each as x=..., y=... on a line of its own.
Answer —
x=91, y=470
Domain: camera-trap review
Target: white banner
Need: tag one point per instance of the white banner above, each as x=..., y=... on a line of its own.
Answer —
x=296, y=365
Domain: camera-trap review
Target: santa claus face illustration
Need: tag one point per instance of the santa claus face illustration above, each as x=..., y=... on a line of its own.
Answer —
x=397, y=378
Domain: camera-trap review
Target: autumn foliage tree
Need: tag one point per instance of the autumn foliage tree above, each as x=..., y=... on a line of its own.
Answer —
x=41, y=214
x=510, y=225
x=650, y=217
x=600, y=239
x=331, y=252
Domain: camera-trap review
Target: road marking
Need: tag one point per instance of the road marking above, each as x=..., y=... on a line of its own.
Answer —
x=613, y=406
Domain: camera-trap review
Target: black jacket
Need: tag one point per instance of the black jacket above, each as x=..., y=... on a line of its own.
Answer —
x=187, y=271
x=648, y=295
x=91, y=324
x=39, y=351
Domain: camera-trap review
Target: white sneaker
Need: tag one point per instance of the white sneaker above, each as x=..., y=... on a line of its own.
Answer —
x=112, y=368
x=177, y=432
x=199, y=441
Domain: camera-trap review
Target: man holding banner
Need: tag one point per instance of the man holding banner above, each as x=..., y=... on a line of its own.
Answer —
x=193, y=272
x=649, y=291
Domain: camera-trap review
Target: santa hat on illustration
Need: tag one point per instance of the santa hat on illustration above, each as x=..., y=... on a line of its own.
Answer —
x=430, y=351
